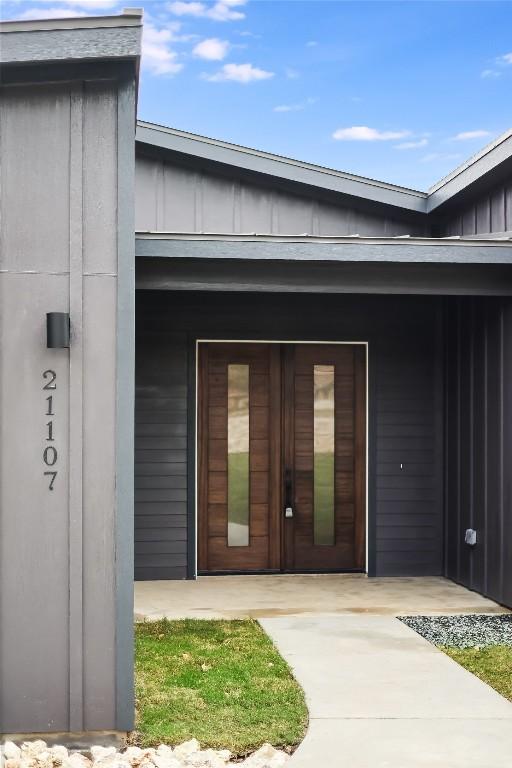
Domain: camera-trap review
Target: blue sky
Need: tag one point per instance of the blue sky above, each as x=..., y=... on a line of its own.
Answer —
x=398, y=91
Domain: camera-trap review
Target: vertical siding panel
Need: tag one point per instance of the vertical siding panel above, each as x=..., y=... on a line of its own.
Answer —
x=479, y=447
x=168, y=194
x=507, y=457
x=494, y=476
x=255, y=210
x=508, y=207
x=178, y=213
x=498, y=210
x=468, y=221
x=483, y=216
x=146, y=173
x=466, y=436
x=452, y=437
x=34, y=521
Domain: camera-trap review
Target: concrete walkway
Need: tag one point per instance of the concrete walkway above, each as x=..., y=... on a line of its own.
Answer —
x=380, y=696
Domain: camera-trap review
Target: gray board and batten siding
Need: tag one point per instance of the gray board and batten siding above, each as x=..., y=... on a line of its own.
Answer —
x=175, y=193
x=488, y=212
x=479, y=444
x=66, y=552
x=405, y=425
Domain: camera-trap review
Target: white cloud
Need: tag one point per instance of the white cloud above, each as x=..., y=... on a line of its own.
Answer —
x=239, y=73
x=294, y=107
x=489, y=74
x=292, y=74
x=51, y=13
x=90, y=4
x=364, y=133
x=180, y=8
x=211, y=49
x=223, y=10
x=506, y=58
x=412, y=144
x=439, y=156
x=311, y=43
x=67, y=9
x=468, y=135
x=157, y=54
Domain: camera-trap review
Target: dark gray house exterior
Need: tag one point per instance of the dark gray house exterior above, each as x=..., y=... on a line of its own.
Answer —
x=319, y=364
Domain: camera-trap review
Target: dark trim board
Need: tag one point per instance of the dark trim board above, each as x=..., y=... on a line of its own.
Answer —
x=191, y=459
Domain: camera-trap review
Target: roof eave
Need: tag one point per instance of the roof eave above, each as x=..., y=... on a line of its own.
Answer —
x=71, y=40
x=280, y=167
x=474, y=170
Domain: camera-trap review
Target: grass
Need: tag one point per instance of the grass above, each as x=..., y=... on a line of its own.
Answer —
x=222, y=682
x=492, y=664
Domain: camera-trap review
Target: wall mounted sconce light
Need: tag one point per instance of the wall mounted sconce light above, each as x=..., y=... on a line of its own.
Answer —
x=57, y=330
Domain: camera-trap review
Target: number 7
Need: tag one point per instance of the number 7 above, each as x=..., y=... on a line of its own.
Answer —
x=54, y=475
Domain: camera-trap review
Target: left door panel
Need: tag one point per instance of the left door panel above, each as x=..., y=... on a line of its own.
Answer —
x=239, y=457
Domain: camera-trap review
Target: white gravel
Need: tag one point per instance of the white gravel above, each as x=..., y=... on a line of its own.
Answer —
x=469, y=631
x=37, y=754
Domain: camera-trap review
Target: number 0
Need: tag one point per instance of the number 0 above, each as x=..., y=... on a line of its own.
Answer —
x=50, y=455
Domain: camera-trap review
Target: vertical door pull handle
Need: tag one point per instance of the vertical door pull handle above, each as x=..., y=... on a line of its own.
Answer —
x=288, y=507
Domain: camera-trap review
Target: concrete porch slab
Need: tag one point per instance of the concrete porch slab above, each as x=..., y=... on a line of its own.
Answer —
x=306, y=595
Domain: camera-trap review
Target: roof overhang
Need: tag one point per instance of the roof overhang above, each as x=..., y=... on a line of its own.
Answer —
x=397, y=250
x=269, y=165
x=71, y=40
x=473, y=172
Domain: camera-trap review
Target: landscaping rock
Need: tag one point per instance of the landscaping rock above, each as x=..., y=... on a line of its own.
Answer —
x=30, y=749
x=464, y=631
x=186, y=749
x=11, y=751
x=36, y=754
x=77, y=760
x=266, y=757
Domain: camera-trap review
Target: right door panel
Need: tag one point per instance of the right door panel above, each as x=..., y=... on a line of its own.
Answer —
x=325, y=456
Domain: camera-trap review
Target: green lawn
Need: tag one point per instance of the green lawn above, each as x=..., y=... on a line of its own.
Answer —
x=492, y=664
x=222, y=682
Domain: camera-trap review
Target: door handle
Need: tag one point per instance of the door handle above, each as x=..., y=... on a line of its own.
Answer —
x=288, y=505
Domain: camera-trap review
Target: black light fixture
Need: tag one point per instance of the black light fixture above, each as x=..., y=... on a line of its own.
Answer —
x=57, y=330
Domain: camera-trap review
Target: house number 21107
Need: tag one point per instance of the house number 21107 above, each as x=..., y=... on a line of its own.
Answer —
x=50, y=454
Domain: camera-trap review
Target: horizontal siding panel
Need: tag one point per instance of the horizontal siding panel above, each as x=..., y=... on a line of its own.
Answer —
x=159, y=468
x=161, y=430
x=160, y=573
x=404, y=354
x=160, y=547
x=160, y=455
x=170, y=508
x=155, y=533
x=386, y=468
x=153, y=560
x=159, y=521
x=171, y=482
x=156, y=443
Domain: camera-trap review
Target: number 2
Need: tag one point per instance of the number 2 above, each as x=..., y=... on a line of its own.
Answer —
x=50, y=384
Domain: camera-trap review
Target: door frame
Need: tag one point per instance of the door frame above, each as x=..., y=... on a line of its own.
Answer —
x=199, y=341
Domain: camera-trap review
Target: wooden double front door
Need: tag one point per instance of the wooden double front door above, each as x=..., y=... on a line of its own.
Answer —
x=281, y=457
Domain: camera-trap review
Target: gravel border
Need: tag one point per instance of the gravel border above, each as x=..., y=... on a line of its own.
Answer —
x=463, y=631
